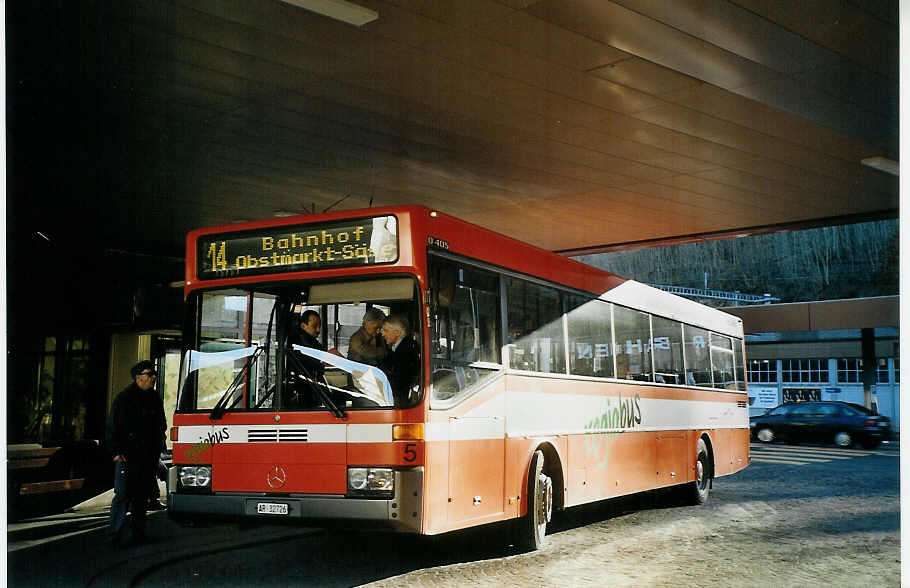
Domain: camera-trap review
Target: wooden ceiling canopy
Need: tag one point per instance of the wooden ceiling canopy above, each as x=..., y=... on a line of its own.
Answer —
x=572, y=124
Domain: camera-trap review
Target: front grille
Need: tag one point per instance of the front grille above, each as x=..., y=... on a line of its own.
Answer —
x=277, y=436
x=292, y=435
x=262, y=436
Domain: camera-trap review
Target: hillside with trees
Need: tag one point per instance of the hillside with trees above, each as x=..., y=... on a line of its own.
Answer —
x=849, y=261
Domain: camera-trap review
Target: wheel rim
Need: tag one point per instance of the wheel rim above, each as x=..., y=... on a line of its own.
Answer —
x=544, y=500
x=843, y=440
x=765, y=435
x=700, y=472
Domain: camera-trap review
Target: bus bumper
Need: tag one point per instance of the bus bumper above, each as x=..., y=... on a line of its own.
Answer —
x=402, y=512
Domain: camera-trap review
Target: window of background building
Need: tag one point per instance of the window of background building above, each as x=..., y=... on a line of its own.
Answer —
x=881, y=371
x=56, y=406
x=850, y=370
x=763, y=371
x=804, y=370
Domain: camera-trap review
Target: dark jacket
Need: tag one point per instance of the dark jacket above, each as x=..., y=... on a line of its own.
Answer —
x=402, y=367
x=136, y=424
x=314, y=367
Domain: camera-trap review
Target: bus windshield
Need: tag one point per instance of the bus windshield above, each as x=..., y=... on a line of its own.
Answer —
x=324, y=346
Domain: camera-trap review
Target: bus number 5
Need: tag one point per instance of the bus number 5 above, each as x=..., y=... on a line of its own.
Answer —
x=410, y=452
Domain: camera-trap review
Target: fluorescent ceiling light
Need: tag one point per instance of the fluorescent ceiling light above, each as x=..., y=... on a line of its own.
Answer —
x=882, y=163
x=339, y=10
x=281, y=213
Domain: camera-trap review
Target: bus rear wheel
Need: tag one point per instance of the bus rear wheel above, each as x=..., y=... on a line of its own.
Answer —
x=531, y=529
x=704, y=473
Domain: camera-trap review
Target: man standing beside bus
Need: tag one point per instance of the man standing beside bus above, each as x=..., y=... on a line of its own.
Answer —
x=402, y=365
x=136, y=436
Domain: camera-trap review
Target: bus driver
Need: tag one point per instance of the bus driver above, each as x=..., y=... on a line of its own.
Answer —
x=301, y=394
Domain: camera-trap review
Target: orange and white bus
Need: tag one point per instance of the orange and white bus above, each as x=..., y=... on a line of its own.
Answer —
x=542, y=382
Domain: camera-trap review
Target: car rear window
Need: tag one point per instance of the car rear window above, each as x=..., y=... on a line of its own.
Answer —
x=828, y=409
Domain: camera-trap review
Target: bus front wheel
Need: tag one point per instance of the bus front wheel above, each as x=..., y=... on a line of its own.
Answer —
x=532, y=528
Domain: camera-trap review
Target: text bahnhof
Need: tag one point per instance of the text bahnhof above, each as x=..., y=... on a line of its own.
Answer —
x=349, y=245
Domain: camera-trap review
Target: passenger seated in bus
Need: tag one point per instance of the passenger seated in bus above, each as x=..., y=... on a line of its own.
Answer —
x=366, y=346
x=301, y=394
x=402, y=365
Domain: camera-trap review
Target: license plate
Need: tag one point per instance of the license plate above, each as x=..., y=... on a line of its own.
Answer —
x=271, y=508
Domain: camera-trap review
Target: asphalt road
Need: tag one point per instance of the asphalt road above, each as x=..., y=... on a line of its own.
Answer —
x=798, y=516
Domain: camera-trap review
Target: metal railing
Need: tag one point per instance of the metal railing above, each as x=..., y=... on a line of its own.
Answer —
x=718, y=294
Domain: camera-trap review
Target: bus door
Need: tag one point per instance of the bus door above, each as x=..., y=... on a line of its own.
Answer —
x=476, y=464
x=466, y=383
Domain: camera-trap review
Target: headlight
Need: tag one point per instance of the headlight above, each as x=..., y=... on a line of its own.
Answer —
x=371, y=481
x=357, y=478
x=195, y=476
x=203, y=476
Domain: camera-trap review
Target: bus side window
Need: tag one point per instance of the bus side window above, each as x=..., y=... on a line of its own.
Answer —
x=535, y=327
x=590, y=341
x=698, y=357
x=633, y=335
x=464, y=326
x=667, y=346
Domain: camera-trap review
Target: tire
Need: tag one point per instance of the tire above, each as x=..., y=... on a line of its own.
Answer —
x=531, y=529
x=843, y=439
x=704, y=475
x=765, y=435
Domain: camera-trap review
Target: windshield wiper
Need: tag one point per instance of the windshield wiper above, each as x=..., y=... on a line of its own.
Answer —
x=321, y=389
x=221, y=406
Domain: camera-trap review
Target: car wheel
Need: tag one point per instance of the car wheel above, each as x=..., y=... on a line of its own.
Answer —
x=843, y=439
x=765, y=435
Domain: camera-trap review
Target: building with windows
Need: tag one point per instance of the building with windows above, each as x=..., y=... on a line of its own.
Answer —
x=832, y=350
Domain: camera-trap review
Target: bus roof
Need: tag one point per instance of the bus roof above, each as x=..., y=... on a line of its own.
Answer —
x=447, y=234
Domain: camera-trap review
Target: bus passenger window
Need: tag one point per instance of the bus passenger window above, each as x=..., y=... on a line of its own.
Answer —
x=535, y=328
x=722, y=361
x=633, y=354
x=738, y=365
x=698, y=357
x=667, y=348
x=464, y=327
x=590, y=339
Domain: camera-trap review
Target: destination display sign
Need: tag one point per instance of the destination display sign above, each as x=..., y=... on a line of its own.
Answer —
x=295, y=248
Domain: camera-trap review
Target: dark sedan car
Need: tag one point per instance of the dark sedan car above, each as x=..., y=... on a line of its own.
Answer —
x=840, y=423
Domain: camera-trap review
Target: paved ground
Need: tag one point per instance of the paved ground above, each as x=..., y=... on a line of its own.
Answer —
x=798, y=516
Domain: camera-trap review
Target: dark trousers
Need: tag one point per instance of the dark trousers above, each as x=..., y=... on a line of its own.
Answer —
x=131, y=483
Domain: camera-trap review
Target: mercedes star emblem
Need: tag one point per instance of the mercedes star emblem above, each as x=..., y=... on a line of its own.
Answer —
x=277, y=477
